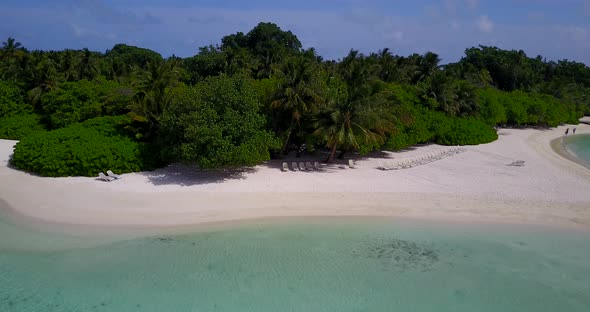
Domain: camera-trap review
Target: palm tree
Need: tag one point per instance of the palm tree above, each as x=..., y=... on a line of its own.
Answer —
x=87, y=68
x=67, y=65
x=356, y=115
x=44, y=79
x=436, y=90
x=428, y=64
x=11, y=54
x=356, y=120
x=465, y=98
x=11, y=49
x=299, y=91
x=388, y=70
x=150, y=99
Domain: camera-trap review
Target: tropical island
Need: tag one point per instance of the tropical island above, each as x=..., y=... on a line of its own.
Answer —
x=219, y=125
x=258, y=176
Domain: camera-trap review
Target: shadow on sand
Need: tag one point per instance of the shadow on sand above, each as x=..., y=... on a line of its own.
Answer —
x=183, y=175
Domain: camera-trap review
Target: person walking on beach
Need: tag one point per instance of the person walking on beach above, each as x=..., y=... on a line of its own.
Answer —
x=567, y=131
x=574, y=132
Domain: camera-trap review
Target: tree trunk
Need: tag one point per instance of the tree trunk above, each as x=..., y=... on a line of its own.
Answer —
x=332, y=153
x=288, y=139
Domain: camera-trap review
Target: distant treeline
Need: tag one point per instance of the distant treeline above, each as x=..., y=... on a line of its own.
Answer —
x=260, y=95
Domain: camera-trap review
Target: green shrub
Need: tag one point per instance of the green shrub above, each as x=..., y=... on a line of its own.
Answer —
x=397, y=141
x=19, y=126
x=108, y=125
x=525, y=108
x=463, y=131
x=81, y=151
x=492, y=111
x=414, y=126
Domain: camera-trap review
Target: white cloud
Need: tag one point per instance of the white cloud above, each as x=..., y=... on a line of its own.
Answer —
x=574, y=33
x=472, y=4
x=484, y=24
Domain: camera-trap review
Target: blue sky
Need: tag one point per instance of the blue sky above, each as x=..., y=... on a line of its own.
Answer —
x=556, y=29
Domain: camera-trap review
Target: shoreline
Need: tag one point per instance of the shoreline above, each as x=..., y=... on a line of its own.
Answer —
x=471, y=187
x=114, y=232
x=558, y=146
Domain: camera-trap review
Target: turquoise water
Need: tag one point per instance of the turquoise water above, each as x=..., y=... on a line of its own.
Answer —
x=345, y=265
x=579, y=145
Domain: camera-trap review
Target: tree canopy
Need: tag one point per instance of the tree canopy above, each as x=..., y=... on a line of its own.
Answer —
x=216, y=124
x=259, y=94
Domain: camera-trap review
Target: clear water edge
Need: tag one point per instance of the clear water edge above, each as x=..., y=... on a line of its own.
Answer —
x=574, y=147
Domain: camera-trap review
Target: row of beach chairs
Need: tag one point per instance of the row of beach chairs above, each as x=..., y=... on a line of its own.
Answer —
x=420, y=160
x=110, y=176
x=307, y=166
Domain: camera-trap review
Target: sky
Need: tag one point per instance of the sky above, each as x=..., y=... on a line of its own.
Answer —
x=555, y=29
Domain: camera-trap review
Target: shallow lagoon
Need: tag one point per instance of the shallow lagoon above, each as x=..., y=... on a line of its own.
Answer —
x=579, y=146
x=362, y=264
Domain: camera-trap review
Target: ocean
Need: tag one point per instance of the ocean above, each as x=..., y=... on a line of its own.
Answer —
x=317, y=264
x=579, y=146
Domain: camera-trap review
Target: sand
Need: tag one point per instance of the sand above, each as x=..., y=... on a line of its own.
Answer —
x=474, y=186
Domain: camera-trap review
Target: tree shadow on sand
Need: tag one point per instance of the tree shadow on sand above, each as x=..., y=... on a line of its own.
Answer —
x=319, y=156
x=183, y=175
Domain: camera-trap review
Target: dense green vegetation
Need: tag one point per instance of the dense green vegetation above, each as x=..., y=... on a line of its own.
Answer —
x=19, y=126
x=11, y=100
x=81, y=100
x=257, y=94
x=82, y=149
x=216, y=124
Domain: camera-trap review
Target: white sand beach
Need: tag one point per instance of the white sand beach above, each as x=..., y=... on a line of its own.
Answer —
x=476, y=185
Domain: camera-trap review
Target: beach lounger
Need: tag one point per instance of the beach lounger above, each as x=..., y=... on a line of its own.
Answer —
x=103, y=177
x=394, y=165
x=301, y=166
x=294, y=166
x=405, y=165
x=388, y=165
x=351, y=164
x=316, y=166
x=308, y=166
x=113, y=175
x=420, y=160
x=285, y=167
